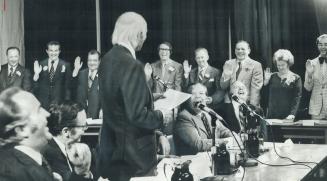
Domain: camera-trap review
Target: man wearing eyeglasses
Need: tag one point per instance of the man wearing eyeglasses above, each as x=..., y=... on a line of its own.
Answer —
x=67, y=123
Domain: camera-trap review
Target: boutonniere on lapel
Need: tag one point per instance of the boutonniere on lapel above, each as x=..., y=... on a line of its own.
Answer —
x=207, y=76
x=18, y=73
x=63, y=69
x=246, y=69
x=45, y=68
x=171, y=69
x=289, y=79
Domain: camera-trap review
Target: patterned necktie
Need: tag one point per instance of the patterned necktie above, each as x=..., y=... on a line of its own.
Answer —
x=52, y=71
x=242, y=117
x=206, y=125
x=201, y=72
x=11, y=73
x=90, y=81
x=238, y=70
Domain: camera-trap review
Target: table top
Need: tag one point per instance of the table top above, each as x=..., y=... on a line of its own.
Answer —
x=200, y=166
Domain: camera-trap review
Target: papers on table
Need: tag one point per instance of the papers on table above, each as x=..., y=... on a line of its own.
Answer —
x=91, y=121
x=172, y=99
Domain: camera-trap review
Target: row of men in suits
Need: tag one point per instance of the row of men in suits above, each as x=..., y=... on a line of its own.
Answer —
x=28, y=151
x=167, y=73
x=53, y=80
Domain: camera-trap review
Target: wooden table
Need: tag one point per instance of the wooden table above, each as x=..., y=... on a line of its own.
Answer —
x=200, y=166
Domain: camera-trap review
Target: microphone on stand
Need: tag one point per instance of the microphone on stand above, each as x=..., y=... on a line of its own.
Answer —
x=208, y=110
x=157, y=78
x=244, y=105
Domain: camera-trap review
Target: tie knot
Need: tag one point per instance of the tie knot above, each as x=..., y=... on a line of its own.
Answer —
x=52, y=62
x=11, y=69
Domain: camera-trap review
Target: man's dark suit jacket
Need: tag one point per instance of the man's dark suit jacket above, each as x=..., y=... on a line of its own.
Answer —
x=88, y=97
x=227, y=111
x=211, y=80
x=127, y=140
x=17, y=166
x=58, y=162
x=60, y=90
x=21, y=78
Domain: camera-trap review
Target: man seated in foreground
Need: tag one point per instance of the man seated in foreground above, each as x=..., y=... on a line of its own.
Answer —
x=192, y=130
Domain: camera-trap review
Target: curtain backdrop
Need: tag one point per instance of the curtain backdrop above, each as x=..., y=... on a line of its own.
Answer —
x=11, y=27
x=71, y=22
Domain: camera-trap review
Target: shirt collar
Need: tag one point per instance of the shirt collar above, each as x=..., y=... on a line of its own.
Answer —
x=36, y=156
x=129, y=47
x=93, y=74
x=55, y=64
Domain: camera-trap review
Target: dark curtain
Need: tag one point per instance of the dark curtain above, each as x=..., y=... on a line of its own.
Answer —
x=71, y=22
x=149, y=9
x=269, y=25
x=200, y=24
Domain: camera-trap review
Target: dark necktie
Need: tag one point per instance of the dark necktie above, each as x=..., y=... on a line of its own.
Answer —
x=238, y=70
x=322, y=60
x=46, y=166
x=206, y=125
x=90, y=81
x=52, y=71
x=11, y=73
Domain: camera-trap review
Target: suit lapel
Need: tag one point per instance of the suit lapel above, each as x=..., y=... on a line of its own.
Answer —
x=24, y=159
x=199, y=124
x=4, y=76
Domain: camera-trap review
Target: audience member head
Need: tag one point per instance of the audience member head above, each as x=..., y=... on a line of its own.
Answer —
x=93, y=60
x=199, y=95
x=53, y=50
x=165, y=50
x=283, y=59
x=242, y=50
x=67, y=122
x=201, y=57
x=22, y=120
x=130, y=28
x=13, y=55
x=240, y=90
x=322, y=44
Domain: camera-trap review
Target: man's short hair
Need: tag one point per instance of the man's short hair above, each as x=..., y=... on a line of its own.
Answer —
x=168, y=44
x=11, y=116
x=201, y=49
x=12, y=48
x=53, y=43
x=93, y=52
x=323, y=36
x=63, y=115
x=243, y=41
x=191, y=87
x=127, y=26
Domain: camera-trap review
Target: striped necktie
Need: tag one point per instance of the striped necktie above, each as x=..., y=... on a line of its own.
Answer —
x=206, y=125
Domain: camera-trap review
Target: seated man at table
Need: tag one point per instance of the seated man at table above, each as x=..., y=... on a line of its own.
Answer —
x=192, y=130
x=67, y=123
x=235, y=114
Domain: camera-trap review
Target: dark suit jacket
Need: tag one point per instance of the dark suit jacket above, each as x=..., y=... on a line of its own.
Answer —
x=17, y=166
x=211, y=81
x=88, y=97
x=227, y=111
x=58, y=162
x=21, y=78
x=190, y=135
x=127, y=140
x=59, y=90
x=172, y=76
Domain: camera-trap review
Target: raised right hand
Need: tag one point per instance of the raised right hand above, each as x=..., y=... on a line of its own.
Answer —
x=187, y=67
x=309, y=67
x=228, y=69
x=77, y=63
x=148, y=70
x=267, y=73
x=37, y=67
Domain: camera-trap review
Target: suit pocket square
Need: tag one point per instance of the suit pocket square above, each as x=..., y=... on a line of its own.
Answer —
x=211, y=80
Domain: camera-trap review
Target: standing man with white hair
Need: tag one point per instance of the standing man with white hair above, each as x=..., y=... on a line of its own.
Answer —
x=127, y=141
